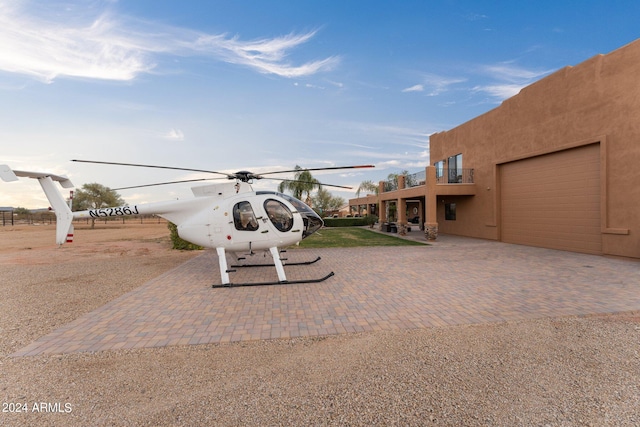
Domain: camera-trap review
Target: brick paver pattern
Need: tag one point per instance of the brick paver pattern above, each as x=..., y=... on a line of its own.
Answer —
x=456, y=281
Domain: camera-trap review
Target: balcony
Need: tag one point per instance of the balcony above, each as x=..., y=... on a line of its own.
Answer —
x=454, y=176
x=455, y=182
x=443, y=176
x=413, y=180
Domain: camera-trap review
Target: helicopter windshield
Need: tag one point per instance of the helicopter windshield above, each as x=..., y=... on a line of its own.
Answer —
x=279, y=214
x=312, y=222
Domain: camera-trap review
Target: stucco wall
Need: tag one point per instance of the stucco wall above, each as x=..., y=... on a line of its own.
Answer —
x=597, y=100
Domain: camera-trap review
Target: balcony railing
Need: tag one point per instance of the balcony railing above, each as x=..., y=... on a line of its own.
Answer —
x=443, y=176
x=415, y=179
x=391, y=185
x=454, y=176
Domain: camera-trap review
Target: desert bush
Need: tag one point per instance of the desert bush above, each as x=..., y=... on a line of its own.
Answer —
x=178, y=242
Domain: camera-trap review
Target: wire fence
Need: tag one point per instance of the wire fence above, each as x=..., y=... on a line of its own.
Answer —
x=138, y=219
x=49, y=218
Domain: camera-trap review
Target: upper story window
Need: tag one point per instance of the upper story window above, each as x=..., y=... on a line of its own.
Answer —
x=454, y=165
x=439, y=169
x=279, y=214
x=244, y=218
x=450, y=171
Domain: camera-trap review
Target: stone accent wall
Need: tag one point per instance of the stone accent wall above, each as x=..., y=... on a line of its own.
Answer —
x=402, y=229
x=431, y=231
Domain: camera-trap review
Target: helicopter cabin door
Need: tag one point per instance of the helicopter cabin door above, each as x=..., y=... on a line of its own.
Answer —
x=264, y=223
x=249, y=230
x=244, y=218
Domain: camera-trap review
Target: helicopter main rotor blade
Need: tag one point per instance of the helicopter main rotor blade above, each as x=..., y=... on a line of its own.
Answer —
x=261, y=176
x=244, y=176
x=164, y=183
x=154, y=166
x=305, y=182
x=319, y=169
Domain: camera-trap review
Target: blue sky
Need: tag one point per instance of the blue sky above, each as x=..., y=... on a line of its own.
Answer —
x=268, y=85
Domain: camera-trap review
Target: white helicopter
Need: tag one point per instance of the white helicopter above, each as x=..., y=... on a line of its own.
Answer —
x=225, y=216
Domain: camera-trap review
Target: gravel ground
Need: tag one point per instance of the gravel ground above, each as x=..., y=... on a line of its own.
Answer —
x=569, y=371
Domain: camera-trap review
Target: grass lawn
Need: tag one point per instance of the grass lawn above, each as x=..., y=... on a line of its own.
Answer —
x=347, y=237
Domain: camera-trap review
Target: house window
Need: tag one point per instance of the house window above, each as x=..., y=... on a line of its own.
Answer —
x=454, y=163
x=439, y=169
x=450, y=211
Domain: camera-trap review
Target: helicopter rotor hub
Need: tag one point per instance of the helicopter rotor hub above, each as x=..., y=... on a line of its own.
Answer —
x=244, y=176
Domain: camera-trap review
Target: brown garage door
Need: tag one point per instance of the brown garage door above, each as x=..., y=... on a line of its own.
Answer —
x=553, y=201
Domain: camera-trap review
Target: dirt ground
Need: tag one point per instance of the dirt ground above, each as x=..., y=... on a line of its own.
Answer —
x=29, y=240
x=556, y=372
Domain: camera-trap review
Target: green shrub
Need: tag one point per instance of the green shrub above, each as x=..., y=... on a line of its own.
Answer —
x=371, y=219
x=178, y=242
x=350, y=222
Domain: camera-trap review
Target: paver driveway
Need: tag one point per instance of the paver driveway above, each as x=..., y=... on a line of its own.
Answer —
x=455, y=281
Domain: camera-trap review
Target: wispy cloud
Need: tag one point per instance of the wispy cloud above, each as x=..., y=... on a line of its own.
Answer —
x=507, y=79
x=414, y=88
x=473, y=16
x=500, y=81
x=500, y=91
x=265, y=55
x=309, y=86
x=100, y=44
x=507, y=71
x=434, y=84
x=174, y=135
x=393, y=134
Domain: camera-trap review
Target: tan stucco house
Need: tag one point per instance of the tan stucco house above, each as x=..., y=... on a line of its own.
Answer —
x=556, y=166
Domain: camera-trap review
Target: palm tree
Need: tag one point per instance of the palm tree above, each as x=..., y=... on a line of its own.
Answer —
x=303, y=183
x=368, y=186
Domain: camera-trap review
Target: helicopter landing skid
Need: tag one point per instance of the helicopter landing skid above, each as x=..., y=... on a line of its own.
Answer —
x=285, y=282
x=273, y=265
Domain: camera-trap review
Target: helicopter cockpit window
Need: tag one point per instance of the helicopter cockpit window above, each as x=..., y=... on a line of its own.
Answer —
x=279, y=214
x=244, y=218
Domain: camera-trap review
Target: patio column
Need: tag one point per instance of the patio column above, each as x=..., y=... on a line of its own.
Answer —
x=401, y=207
x=431, y=201
x=401, y=182
x=382, y=215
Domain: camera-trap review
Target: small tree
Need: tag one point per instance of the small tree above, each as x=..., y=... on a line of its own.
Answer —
x=324, y=201
x=23, y=213
x=95, y=196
